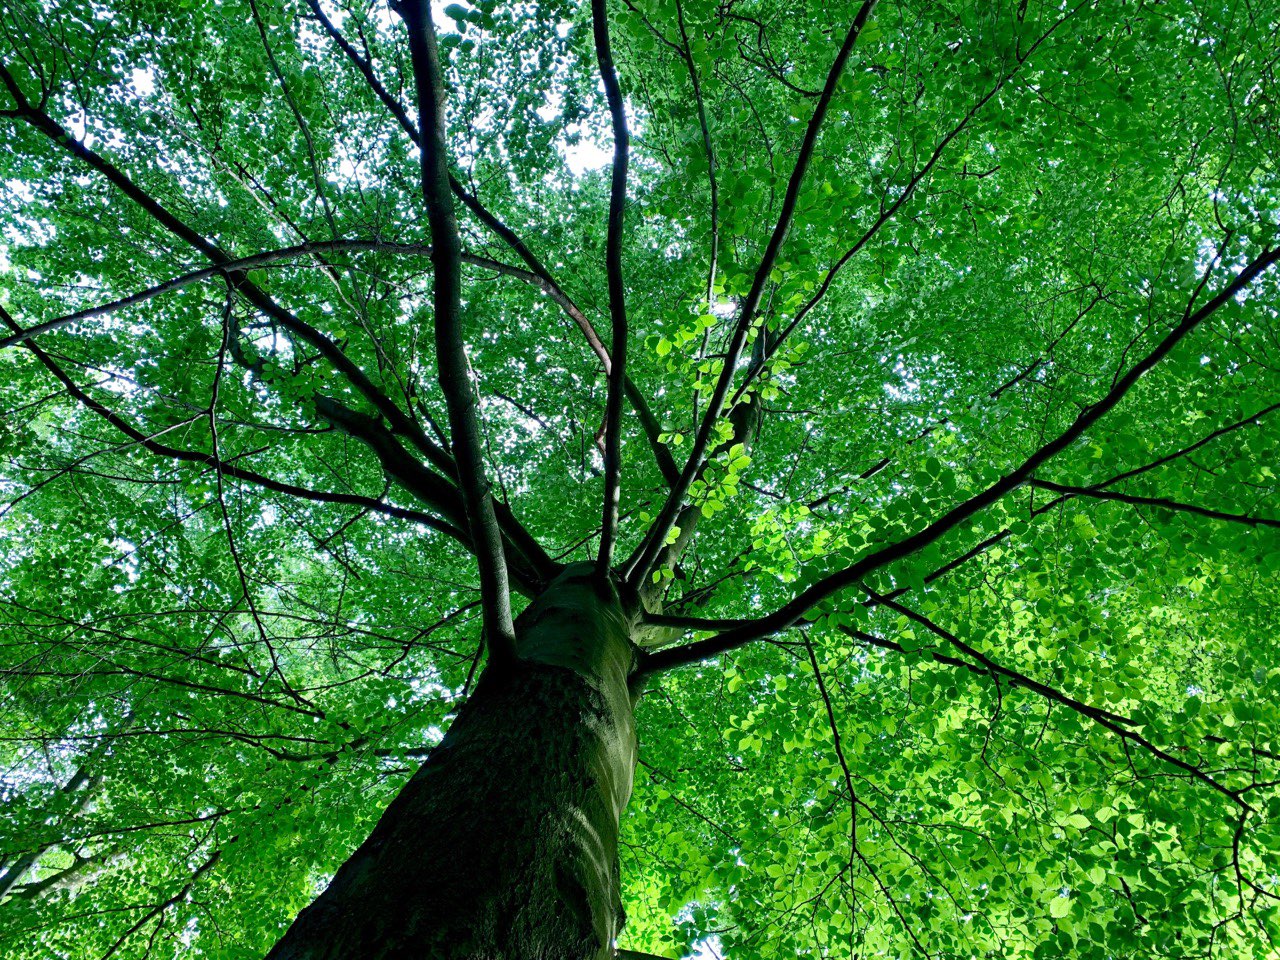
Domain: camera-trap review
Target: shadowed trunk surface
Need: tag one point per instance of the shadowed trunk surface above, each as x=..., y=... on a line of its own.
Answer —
x=503, y=846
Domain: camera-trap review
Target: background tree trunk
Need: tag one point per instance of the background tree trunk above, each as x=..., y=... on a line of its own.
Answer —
x=503, y=846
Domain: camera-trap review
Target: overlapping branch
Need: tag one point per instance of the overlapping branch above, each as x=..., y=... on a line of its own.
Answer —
x=1116, y=724
x=1160, y=502
x=148, y=442
x=796, y=608
x=641, y=563
x=545, y=280
x=265, y=258
x=399, y=421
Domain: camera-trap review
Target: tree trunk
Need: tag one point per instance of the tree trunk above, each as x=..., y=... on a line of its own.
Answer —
x=504, y=844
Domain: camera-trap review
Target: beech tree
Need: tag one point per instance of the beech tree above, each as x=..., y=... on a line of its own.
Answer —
x=745, y=479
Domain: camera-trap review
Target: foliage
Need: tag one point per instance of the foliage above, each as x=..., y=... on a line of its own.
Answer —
x=1047, y=729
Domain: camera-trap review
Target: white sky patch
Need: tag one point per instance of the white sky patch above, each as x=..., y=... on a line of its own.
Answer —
x=586, y=155
x=127, y=561
x=143, y=81
x=724, y=307
x=79, y=128
x=347, y=169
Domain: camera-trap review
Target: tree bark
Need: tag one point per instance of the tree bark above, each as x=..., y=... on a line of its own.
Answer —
x=504, y=845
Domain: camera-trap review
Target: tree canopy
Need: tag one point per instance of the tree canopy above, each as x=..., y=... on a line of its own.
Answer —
x=930, y=349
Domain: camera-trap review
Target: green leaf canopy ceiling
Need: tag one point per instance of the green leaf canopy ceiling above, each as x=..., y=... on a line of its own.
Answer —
x=963, y=638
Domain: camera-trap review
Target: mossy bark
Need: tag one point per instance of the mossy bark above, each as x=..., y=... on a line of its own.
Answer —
x=504, y=845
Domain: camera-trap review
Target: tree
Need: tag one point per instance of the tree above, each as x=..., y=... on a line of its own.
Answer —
x=748, y=479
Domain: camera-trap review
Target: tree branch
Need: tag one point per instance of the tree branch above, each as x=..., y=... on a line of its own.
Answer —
x=398, y=419
x=1117, y=725
x=917, y=178
x=795, y=609
x=432, y=489
x=648, y=422
x=244, y=264
x=1161, y=502
x=640, y=564
x=328, y=349
x=451, y=357
x=686, y=53
x=617, y=288
x=147, y=442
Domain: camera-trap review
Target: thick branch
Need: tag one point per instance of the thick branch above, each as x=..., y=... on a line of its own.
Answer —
x=147, y=442
x=451, y=357
x=431, y=488
x=745, y=420
x=399, y=421
x=648, y=422
x=642, y=562
x=795, y=609
x=250, y=291
x=617, y=287
x=18, y=867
